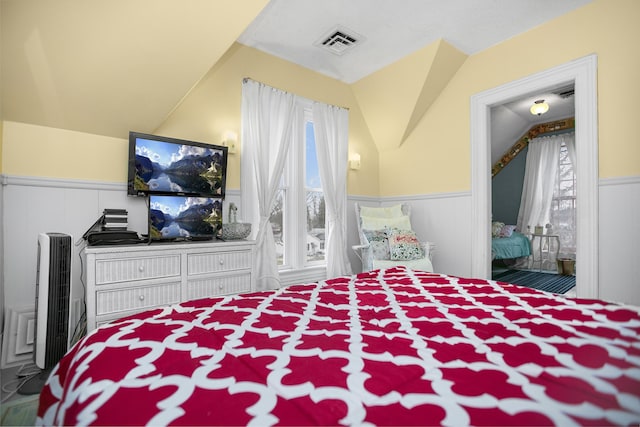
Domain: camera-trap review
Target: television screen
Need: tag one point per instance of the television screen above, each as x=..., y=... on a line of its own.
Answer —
x=184, y=218
x=162, y=165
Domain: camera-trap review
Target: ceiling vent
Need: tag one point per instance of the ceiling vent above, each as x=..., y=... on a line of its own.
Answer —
x=565, y=92
x=339, y=40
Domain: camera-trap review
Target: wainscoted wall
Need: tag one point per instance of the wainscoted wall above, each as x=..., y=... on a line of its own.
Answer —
x=1, y=257
x=31, y=206
x=619, y=263
x=34, y=205
x=439, y=218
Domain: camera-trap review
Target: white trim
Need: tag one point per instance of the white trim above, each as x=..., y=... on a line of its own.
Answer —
x=581, y=72
x=401, y=199
x=407, y=198
x=302, y=275
x=368, y=199
x=36, y=181
x=626, y=180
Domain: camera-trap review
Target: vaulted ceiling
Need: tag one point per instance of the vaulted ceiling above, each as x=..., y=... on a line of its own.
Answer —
x=105, y=67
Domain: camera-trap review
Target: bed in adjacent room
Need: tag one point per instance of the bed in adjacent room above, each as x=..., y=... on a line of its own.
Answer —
x=385, y=347
x=508, y=243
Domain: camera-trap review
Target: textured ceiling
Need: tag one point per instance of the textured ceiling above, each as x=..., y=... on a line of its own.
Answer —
x=388, y=30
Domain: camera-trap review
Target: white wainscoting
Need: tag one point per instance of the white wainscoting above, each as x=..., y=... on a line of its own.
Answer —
x=439, y=218
x=445, y=219
x=619, y=233
x=31, y=206
x=34, y=205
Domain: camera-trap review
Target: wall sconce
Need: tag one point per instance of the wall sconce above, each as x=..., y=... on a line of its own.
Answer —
x=354, y=161
x=539, y=107
x=229, y=140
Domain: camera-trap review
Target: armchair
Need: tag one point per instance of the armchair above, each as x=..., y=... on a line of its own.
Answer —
x=387, y=239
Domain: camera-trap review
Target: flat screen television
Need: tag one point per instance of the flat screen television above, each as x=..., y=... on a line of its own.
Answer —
x=184, y=217
x=169, y=166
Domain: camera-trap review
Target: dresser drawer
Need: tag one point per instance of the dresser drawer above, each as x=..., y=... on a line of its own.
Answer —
x=214, y=286
x=136, y=298
x=139, y=268
x=124, y=280
x=212, y=262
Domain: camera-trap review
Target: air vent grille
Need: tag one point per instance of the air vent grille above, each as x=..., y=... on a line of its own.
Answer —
x=339, y=40
x=565, y=92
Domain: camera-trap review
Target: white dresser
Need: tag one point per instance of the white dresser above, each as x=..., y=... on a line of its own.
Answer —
x=123, y=280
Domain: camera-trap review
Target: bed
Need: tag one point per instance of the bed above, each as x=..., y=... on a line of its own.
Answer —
x=385, y=347
x=516, y=245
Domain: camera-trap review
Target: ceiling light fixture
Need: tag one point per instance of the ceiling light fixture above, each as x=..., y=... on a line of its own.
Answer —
x=539, y=107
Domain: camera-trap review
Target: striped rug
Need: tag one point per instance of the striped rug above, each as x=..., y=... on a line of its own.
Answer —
x=548, y=282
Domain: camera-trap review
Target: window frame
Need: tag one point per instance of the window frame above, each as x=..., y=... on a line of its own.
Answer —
x=293, y=188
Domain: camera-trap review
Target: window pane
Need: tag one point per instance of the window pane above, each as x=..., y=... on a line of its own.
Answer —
x=314, y=198
x=563, y=212
x=277, y=220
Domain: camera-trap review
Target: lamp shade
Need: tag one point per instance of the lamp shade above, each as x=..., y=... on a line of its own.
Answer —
x=539, y=108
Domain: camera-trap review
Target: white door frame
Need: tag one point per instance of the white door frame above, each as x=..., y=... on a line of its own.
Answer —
x=583, y=74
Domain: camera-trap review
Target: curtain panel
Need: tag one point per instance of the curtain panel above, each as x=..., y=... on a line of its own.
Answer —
x=540, y=181
x=272, y=120
x=331, y=126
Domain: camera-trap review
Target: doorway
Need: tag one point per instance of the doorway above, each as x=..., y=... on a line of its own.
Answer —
x=582, y=74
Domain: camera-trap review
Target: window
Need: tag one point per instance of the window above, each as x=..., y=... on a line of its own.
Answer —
x=298, y=215
x=563, y=205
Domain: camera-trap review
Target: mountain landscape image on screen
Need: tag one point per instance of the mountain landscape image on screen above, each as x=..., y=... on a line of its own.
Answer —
x=200, y=174
x=174, y=217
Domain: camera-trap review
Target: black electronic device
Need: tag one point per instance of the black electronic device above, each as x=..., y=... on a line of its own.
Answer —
x=178, y=218
x=115, y=237
x=94, y=227
x=169, y=166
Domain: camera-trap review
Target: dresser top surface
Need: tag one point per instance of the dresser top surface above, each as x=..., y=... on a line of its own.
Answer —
x=172, y=246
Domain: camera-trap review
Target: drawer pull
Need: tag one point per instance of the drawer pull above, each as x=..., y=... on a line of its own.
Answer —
x=141, y=297
x=141, y=268
x=221, y=287
x=221, y=261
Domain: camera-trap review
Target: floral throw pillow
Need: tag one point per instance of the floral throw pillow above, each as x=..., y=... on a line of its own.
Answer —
x=379, y=243
x=404, y=245
x=507, y=230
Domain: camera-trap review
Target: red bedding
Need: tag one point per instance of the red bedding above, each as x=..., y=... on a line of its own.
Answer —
x=393, y=347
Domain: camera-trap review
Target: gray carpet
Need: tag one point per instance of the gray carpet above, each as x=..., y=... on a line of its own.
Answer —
x=548, y=282
x=20, y=411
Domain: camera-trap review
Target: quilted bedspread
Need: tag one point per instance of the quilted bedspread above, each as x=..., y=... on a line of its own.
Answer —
x=388, y=347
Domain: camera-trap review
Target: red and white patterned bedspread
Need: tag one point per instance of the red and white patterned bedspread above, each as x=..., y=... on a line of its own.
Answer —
x=393, y=347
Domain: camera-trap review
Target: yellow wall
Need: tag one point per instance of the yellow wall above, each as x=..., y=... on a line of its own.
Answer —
x=31, y=150
x=213, y=107
x=434, y=158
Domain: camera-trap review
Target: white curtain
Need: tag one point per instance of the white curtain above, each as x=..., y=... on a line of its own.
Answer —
x=270, y=120
x=331, y=126
x=539, y=180
x=570, y=142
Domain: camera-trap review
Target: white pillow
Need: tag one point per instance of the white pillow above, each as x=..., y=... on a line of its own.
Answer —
x=386, y=212
x=375, y=223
